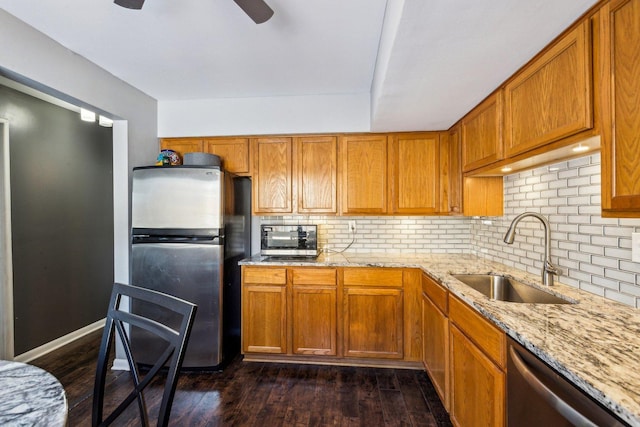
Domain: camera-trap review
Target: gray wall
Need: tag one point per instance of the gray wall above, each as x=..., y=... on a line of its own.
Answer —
x=33, y=55
x=61, y=218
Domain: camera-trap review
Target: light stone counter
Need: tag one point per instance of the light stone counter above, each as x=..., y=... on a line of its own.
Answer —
x=595, y=343
x=30, y=396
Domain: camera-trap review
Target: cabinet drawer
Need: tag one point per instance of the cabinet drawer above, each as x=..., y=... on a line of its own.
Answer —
x=314, y=276
x=436, y=293
x=489, y=338
x=264, y=275
x=386, y=277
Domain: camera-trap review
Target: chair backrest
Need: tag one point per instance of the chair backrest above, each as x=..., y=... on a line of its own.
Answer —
x=121, y=319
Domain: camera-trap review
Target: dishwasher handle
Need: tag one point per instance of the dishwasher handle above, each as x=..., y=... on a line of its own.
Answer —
x=567, y=411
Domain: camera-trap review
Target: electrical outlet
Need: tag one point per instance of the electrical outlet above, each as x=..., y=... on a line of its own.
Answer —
x=352, y=226
x=635, y=247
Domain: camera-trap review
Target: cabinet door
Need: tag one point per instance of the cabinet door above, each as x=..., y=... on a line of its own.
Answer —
x=415, y=162
x=450, y=152
x=551, y=98
x=364, y=174
x=317, y=174
x=272, y=175
x=182, y=145
x=477, y=385
x=482, y=134
x=264, y=319
x=373, y=323
x=435, y=351
x=234, y=153
x=620, y=47
x=483, y=196
x=314, y=320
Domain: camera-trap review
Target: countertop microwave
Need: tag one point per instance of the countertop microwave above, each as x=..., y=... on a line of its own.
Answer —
x=289, y=240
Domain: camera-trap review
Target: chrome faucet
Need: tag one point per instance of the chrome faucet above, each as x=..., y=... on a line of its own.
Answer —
x=548, y=269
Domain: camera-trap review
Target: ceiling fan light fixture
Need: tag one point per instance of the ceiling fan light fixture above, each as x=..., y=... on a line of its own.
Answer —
x=257, y=10
x=130, y=4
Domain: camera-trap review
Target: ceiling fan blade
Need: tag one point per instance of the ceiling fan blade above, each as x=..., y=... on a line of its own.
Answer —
x=130, y=4
x=257, y=10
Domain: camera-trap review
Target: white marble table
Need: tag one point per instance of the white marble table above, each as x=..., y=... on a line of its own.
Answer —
x=30, y=396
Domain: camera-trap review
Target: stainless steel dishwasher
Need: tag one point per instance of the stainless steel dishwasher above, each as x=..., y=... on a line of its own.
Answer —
x=538, y=396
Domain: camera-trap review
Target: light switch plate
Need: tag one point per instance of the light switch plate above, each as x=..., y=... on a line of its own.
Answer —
x=635, y=247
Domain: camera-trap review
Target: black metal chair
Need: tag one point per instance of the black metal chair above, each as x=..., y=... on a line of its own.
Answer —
x=123, y=320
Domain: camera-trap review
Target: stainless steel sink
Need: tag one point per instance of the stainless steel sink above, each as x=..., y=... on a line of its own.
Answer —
x=502, y=288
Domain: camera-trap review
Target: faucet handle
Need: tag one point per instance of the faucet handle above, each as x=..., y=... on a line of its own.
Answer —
x=552, y=269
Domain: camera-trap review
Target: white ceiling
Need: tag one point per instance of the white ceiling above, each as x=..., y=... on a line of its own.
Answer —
x=426, y=63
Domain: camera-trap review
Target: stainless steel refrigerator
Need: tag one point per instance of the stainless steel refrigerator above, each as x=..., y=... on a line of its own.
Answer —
x=190, y=227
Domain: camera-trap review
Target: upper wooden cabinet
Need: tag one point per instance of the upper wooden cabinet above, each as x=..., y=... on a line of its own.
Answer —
x=451, y=172
x=482, y=133
x=483, y=196
x=272, y=175
x=182, y=145
x=620, y=47
x=317, y=174
x=551, y=98
x=234, y=153
x=415, y=173
x=364, y=163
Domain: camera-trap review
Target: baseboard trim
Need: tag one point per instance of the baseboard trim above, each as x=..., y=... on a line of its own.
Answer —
x=59, y=342
x=120, y=365
x=334, y=361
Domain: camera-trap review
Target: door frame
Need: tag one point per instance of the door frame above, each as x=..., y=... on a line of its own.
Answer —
x=6, y=259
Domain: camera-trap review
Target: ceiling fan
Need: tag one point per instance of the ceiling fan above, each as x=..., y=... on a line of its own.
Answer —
x=257, y=10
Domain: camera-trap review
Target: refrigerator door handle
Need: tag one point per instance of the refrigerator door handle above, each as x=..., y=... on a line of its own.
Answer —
x=203, y=240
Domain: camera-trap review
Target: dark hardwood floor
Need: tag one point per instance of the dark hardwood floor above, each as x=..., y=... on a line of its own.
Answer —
x=261, y=394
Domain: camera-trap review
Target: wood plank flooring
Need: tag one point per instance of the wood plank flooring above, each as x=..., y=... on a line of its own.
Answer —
x=261, y=394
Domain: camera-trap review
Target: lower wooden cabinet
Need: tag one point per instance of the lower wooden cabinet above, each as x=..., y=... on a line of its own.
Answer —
x=378, y=315
x=318, y=312
x=373, y=322
x=314, y=311
x=478, y=385
x=373, y=312
x=465, y=357
x=435, y=337
x=264, y=311
x=265, y=325
x=478, y=363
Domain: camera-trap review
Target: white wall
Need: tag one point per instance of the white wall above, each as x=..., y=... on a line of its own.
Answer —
x=60, y=72
x=263, y=116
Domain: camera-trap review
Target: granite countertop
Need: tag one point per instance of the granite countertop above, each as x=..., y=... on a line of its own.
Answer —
x=595, y=342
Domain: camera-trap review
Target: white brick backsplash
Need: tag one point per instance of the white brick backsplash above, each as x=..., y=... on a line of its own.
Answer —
x=388, y=234
x=593, y=252
x=620, y=297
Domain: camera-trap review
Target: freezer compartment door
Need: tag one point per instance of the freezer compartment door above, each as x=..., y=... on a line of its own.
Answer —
x=189, y=271
x=177, y=198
